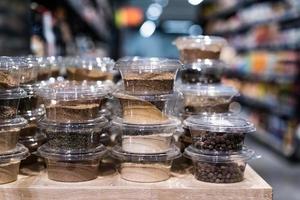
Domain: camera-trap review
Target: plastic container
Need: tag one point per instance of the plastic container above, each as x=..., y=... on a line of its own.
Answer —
x=137, y=138
x=219, y=132
x=76, y=137
x=71, y=101
x=47, y=68
x=29, y=102
x=10, y=162
x=210, y=98
x=219, y=168
x=199, y=47
x=28, y=67
x=9, y=133
x=148, y=75
x=145, y=168
x=9, y=102
x=147, y=109
x=205, y=71
x=72, y=167
x=32, y=118
x=91, y=69
x=9, y=73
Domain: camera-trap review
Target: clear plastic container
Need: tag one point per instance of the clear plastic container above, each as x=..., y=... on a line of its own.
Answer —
x=32, y=118
x=10, y=75
x=9, y=102
x=10, y=162
x=76, y=137
x=218, y=132
x=9, y=133
x=204, y=71
x=145, y=168
x=137, y=138
x=148, y=75
x=28, y=67
x=71, y=101
x=210, y=98
x=29, y=102
x=199, y=47
x=147, y=109
x=219, y=168
x=47, y=68
x=72, y=167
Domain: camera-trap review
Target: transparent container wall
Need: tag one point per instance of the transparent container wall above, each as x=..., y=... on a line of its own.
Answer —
x=9, y=172
x=9, y=78
x=189, y=55
x=28, y=103
x=8, y=108
x=28, y=74
x=9, y=137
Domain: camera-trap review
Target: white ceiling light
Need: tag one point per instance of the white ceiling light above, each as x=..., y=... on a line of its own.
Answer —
x=148, y=28
x=195, y=2
x=154, y=11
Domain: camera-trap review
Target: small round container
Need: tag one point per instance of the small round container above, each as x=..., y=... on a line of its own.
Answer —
x=28, y=67
x=210, y=98
x=204, y=71
x=10, y=163
x=219, y=168
x=71, y=101
x=154, y=109
x=72, y=167
x=48, y=67
x=219, y=133
x=199, y=47
x=91, y=69
x=10, y=75
x=76, y=137
x=30, y=101
x=150, y=76
x=137, y=138
x=9, y=133
x=9, y=102
x=32, y=118
x=145, y=168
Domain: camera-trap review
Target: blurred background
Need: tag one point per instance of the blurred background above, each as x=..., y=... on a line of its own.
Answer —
x=263, y=55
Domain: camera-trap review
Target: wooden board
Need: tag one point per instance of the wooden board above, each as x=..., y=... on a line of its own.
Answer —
x=34, y=185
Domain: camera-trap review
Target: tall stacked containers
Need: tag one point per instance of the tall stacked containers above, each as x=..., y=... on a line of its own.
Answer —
x=146, y=122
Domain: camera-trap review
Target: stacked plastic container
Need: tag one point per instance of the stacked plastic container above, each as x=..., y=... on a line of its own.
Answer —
x=13, y=72
x=146, y=124
x=73, y=125
x=214, y=137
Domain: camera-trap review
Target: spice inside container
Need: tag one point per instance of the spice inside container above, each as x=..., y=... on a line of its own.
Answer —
x=10, y=75
x=31, y=128
x=28, y=67
x=137, y=138
x=220, y=168
x=218, y=132
x=71, y=101
x=10, y=162
x=199, y=47
x=9, y=133
x=148, y=75
x=72, y=167
x=145, y=168
x=76, y=137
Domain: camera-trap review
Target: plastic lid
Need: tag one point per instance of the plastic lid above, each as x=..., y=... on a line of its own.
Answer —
x=17, y=154
x=34, y=114
x=22, y=62
x=119, y=154
x=57, y=154
x=200, y=41
x=73, y=90
x=148, y=64
x=195, y=154
x=16, y=93
x=104, y=64
x=17, y=122
x=7, y=63
x=219, y=123
x=210, y=90
x=205, y=64
x=163, y=97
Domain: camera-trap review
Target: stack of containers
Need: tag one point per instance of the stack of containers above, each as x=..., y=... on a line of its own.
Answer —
x=12, y=73
x=213, y=137
x=146, y=122
x=73, y=125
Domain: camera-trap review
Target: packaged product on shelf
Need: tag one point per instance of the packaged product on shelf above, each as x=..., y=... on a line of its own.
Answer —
x=216, y=168
x=218, y=133
x=10, y=75
x=147, y=139
x=145, y=168
x=151, y=76
x=9, y=133
x=84, y=165
x=32, y=118
x=192, y=48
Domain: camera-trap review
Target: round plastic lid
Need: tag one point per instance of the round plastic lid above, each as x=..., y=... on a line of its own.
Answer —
x=200, y=41
x=209, y=90
x=119, y=154
x=204, y=64
x=73, y=90
x=17, y=122
x=101, y=63
x=13, y=94
x=34, y=114
x=7, y=63
x=148, y=64
x=57, y=154
x=219, y=123
x=244, y=155
x=17, y=154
